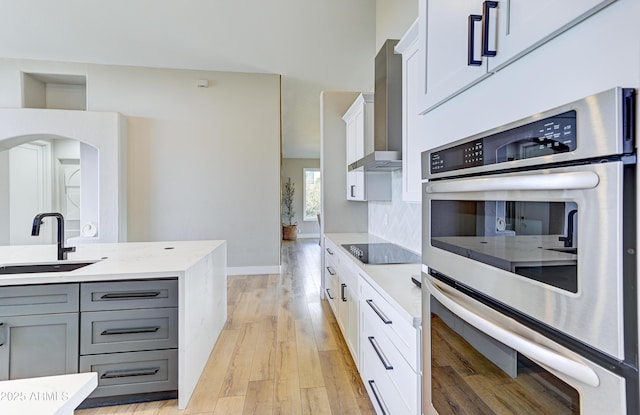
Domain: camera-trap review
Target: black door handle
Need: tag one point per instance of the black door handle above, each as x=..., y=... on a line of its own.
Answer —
x=485, y=27
x=342, y=287
x=471, y=60
x=329, y=294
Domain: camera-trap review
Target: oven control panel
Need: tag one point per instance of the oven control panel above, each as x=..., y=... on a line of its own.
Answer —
x=463, y=156
x=551, y=135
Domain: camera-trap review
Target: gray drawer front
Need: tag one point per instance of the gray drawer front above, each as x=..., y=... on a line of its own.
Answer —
x=128, y=330
x=39, y=299
x=131, y=373
x=122, y=295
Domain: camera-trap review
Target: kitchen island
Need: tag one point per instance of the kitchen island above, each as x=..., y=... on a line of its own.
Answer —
x=198, y=268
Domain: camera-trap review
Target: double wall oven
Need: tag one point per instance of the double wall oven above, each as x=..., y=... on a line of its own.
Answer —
x=529, y=265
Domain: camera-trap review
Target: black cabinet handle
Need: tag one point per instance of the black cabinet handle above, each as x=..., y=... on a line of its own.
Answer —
x=329, y=294
x=485, y=27
x=122, y=296
x=342, y=287
x=329, y=251
x=379, y=312
x=471, y=60
x=376, y=394
x=331, y=271
x=4, y=336
x=353, y=190
x=136, y=330
x=113, y=374
x=381, y=355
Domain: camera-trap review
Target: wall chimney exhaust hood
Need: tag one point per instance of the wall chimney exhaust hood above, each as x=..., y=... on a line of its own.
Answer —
x=387, y=118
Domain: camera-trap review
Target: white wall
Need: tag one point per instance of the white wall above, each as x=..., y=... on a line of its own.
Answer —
x=393, y=19
x=203, y=163
x=339, y=214
x=4, y=201
x=293, y=168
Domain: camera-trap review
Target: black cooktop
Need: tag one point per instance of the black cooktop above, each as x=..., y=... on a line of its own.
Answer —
x=382, y=253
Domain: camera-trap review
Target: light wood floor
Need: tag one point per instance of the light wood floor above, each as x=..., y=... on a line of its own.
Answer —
x=280, y=352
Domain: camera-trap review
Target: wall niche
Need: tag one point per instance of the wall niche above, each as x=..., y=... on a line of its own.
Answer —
x=54, y=91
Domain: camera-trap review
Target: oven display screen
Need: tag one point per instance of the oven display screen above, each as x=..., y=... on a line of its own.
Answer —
x=552, y=135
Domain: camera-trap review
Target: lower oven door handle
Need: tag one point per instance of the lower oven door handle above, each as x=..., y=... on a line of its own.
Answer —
x=554, y=181
x=534, y=351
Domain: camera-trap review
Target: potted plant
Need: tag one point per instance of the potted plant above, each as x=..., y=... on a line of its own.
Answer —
x=290, y=229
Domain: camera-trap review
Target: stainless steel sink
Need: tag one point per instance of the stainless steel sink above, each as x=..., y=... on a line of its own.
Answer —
x=565, y=250
x=34, y=268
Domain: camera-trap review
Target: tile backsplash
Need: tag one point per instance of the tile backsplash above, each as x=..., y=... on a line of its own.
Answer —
x=397, y=221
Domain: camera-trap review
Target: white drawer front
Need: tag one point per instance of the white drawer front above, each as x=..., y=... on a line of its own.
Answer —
x=387, y=320
x=397, y=383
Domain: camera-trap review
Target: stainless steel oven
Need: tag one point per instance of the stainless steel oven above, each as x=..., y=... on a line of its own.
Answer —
x=529, y=259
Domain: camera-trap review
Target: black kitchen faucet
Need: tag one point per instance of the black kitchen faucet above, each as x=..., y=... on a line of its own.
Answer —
x=35, y=231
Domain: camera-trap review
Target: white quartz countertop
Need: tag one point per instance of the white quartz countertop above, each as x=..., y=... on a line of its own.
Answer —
x=49, y=395
x=393, y=280
x=113, y=261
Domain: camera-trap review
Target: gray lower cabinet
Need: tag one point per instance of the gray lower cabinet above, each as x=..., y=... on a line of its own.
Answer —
x=129, y=336
x=127, y=331
x=38, y=345
x=38, y=330
x=133, y=373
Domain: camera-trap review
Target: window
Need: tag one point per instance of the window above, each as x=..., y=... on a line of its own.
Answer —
x=311, y=193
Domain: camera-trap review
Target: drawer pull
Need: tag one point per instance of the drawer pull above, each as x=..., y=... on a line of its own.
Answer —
x=113, y=374
x=329, y=251
x=123, y=296
x=134, y=330
x=379, y=312
x=329, y=294
x=331, y=271
x=381, y=355
x=3, y=330
x=376, y=394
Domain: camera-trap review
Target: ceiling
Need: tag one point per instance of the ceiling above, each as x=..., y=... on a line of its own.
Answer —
x=314, y=45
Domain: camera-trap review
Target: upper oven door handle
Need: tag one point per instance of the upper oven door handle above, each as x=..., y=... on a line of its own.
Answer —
x=534, y=351
x=552, y=181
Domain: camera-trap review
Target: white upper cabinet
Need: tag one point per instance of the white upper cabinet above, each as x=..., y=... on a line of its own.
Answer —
x=414, y=137
x=467, y=40
x=444, y=36
x=361, y=185
x=523, y=25
x=359, y=121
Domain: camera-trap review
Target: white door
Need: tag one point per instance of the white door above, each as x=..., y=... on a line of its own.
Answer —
x=524, y=24
x=444, y=35
x=29, y=193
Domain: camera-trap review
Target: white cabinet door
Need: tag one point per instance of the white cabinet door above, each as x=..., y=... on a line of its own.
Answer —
x=414, y=136
x=353, y=329
x=359, y=124
x=444, y=36
x=451, y=34
x=523, y=25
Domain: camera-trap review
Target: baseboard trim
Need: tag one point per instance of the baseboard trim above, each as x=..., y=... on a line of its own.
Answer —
x=274, y=269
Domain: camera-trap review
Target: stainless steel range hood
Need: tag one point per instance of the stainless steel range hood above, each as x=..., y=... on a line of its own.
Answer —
x=387, y=107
